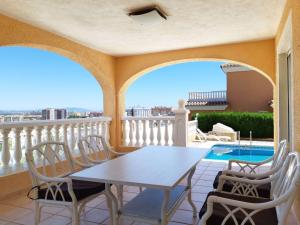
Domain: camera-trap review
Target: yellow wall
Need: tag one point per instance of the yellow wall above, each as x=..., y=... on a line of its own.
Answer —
x=293, y=9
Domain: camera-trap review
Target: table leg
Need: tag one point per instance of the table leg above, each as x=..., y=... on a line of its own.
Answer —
x=164, y=208
x=190, y=192
x=112, y=204
x=120, y=194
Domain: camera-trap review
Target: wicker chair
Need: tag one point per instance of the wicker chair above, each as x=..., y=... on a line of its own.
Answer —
x=248, y=170
x=91, y=148
x=242, y=206
x=49, y=164
x=95, y=149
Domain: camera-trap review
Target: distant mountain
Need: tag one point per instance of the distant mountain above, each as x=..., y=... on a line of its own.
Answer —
x=77, y=109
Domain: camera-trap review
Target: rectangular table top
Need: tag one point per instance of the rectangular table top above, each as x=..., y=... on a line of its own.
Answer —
x=151, y=166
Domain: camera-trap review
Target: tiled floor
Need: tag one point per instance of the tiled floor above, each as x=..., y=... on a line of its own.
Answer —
x=19, y=210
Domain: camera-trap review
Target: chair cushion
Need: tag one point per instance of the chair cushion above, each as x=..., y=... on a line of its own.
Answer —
x=219, y=212
x=82, y=189
x=263, y=191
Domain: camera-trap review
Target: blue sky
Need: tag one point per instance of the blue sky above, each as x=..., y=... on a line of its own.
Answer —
x=36, y=79
x=165, y=86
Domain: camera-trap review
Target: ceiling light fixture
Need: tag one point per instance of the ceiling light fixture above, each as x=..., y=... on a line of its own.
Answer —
x=148, y=15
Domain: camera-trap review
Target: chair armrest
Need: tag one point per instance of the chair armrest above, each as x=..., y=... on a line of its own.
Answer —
x=243, y=165
x=82, y=164
x=248, y=175
x=242, y=186
x=233, y=206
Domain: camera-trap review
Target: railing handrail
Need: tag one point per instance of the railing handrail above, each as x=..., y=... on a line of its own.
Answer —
x=149, y=118
x=34, y=123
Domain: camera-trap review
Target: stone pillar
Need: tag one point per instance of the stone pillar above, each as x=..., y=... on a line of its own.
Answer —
x=180, y=132
x=296, y=88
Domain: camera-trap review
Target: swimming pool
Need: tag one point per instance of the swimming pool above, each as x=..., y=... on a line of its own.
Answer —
x=248, y=153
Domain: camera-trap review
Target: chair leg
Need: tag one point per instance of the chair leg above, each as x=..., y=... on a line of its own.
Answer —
x=75, y=216
x=37, y=215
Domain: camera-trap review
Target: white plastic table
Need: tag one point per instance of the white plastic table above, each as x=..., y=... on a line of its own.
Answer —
x=159, y=169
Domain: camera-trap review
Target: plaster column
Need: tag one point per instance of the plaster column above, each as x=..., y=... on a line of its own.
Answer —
x=296, y=87
x=180, y=132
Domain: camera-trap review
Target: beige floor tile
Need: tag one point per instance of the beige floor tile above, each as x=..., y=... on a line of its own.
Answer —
x=122, y=222
x=12, y=213
x=95, y=202
x=56, y=220
x=183, y=216
x=96, y=216
x=186, y=205
x=3, y=222
x=28, y=219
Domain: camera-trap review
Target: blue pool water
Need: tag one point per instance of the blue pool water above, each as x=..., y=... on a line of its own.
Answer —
x=248, y=153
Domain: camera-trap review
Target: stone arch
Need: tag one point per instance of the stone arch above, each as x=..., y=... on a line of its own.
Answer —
x=143, y=72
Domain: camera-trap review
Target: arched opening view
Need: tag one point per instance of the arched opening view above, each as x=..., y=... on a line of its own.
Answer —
x=42, y=93
x=226, y=102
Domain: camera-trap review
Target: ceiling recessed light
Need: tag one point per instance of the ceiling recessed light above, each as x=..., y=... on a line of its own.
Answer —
x=148, y=15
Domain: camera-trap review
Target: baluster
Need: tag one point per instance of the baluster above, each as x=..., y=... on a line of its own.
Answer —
x=78, y=132
x=72, y=137
x=137, y=133
x=92, y=128
x=151, y=124
x=158, y=132
x=18, y=149
x=103, y=129
x=85, y=129
x=124, y=132
x=97, y=128
x=130, y=133
x=107, y=134
x=5, y=147
x=49, y=135
x=166, y=132
x=173, y=133
x=144, y=132
x=57, y=136
x=38, y=131
x=65, y=134
x=28, y=137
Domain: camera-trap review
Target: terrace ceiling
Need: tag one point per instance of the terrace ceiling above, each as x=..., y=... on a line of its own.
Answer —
x=105, y=26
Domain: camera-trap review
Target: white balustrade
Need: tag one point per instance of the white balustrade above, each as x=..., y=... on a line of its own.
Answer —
x=211, y=96
x=154, y=130
x=16, y=137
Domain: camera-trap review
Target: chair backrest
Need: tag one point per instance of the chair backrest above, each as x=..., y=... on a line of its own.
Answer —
x=91, y=147
x=280, y=154
x=51, y=159
x=286, y=185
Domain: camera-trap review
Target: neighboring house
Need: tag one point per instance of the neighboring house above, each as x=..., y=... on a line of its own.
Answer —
x=54, y=114
x=161, y=111
x=247, y=91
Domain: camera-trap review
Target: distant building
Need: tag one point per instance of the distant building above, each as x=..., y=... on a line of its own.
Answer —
x=138, y=112
x=95, y=114
x=247, y=91
x=54, y=114
x=161, y=111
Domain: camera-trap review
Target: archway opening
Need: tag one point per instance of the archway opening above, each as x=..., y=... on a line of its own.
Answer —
x=218, y=92
x=34, y=79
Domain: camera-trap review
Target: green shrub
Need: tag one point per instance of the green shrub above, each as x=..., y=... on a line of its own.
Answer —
x=261, y=124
